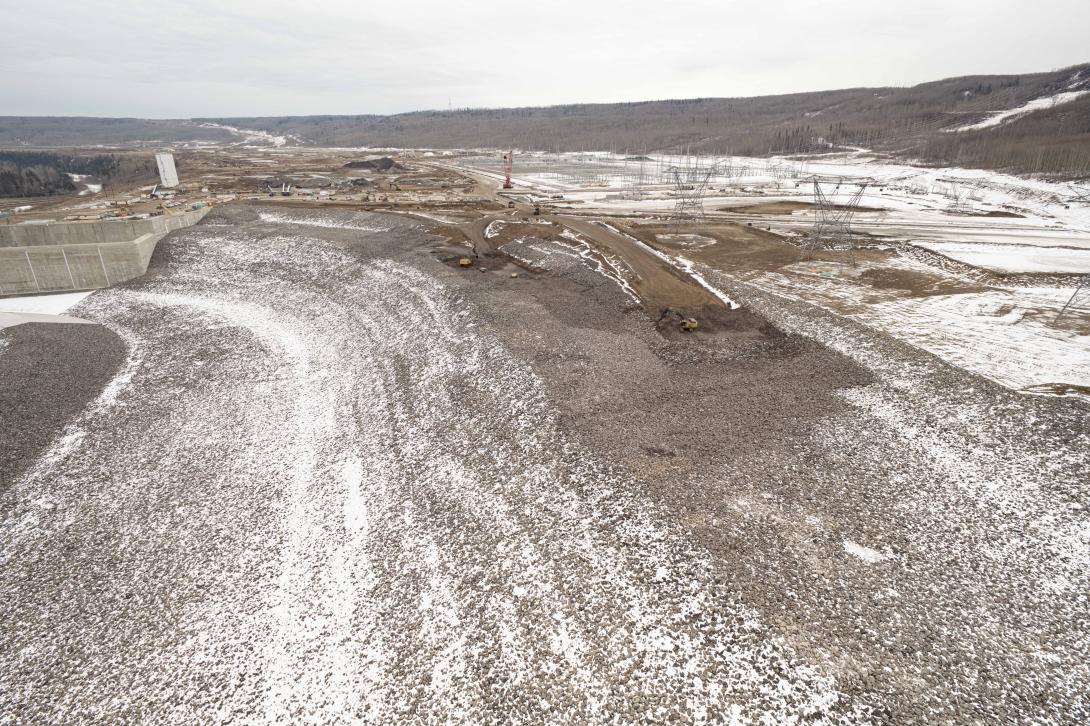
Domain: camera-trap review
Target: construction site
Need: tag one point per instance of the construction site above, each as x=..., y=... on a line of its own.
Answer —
x=315, y=435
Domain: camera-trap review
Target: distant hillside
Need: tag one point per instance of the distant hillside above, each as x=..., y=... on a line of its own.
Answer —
x=43, y=173
x=906, y=122
x=913, y=123
x=54, y=131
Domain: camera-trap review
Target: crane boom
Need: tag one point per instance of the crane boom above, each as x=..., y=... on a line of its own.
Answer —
x=508, y=160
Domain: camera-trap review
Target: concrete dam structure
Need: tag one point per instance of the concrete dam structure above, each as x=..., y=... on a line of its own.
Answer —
x=66, y=256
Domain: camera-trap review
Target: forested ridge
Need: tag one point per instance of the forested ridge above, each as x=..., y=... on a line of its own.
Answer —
x=43, y=173
x=916, y=123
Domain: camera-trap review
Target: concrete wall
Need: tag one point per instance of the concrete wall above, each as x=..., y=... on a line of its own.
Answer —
x=39, y=266
x=82, y=233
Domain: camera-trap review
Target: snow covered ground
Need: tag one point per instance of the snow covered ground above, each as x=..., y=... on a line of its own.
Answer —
x=1007, y=335
x=44, y=304
x=994, y=334
x=1015, y=257
x=914, y=202
x=88, y=187
x=331, y=220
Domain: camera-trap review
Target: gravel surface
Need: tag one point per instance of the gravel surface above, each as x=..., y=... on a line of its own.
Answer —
x=919, y=530
x=320, y=489
x=335, y=480
x=48, y=373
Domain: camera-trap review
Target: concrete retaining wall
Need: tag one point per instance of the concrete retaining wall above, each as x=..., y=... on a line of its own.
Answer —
x=83, y=233
x=39, y=265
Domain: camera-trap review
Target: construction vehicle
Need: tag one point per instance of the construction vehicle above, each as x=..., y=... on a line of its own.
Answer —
x=464, y=262
x=684, y=323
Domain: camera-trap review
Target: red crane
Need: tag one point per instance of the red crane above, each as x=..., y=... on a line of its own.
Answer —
x=508, y=159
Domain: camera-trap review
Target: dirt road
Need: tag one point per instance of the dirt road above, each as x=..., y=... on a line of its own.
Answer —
x=659, y=284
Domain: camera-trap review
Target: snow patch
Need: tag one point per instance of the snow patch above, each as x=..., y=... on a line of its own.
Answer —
x=1014, y=258
x=690, y=267
x=318, y=220
x=44, y=304
x=1000, y=117
x=868, y=555
x=251, y=135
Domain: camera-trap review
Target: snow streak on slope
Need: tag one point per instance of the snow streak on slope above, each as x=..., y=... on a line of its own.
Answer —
x=318, y=500
x=249, y=136
x=1038, y=104
x=330, y=220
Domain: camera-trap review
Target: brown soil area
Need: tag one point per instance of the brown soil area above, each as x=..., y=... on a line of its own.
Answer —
x=741, y=248
x=992, y=213
x=666, y=293
x=785, y=207
x=737, y=247
x=916, y=284
x=1060, y=389
x=660, y=286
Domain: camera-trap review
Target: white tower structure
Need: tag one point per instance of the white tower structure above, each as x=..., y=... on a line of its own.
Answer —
x=168, y=175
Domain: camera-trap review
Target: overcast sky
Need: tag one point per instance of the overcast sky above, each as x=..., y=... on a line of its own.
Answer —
x=188, y=58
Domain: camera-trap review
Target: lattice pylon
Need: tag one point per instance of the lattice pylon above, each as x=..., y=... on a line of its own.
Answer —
x=690, y=185
x=636, y=183
x=832, y=228
x=1080, y=299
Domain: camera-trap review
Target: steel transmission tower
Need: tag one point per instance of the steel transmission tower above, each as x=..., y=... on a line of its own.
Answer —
x=832, y=228
x=635, y=183
x=1080, y=299
x=690, y=185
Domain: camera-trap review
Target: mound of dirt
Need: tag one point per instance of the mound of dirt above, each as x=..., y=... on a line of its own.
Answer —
x=786, y=207
x=991, y=213
x=384, y=163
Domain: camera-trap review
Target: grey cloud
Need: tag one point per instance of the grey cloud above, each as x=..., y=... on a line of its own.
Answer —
x=235, y=57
